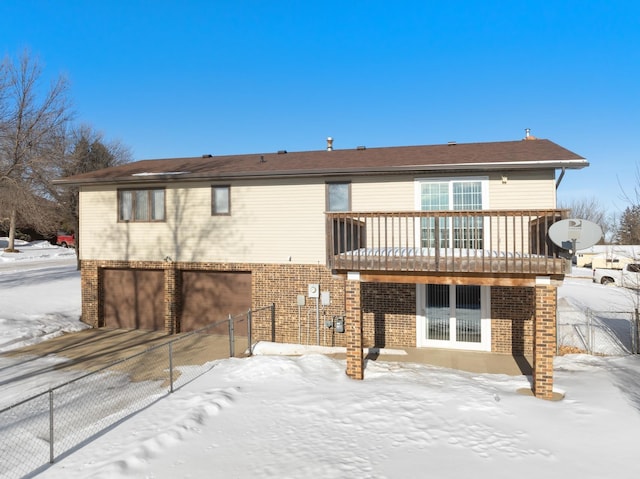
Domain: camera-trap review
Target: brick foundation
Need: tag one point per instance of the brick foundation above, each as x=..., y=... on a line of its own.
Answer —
x=389, y=315
x=271, y=284
x=512, y=313
x=388, y=310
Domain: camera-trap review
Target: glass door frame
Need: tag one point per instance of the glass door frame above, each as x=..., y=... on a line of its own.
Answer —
x=485, y=322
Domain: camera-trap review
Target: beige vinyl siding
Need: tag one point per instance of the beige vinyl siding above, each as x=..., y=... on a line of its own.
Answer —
x=394, y=193
x=522, y=190
x=271, y=221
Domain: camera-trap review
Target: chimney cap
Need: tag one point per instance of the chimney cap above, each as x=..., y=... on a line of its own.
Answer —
x=329, y=143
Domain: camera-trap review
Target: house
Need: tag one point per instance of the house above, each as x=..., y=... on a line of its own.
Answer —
x=439, y=246
x=607, y=256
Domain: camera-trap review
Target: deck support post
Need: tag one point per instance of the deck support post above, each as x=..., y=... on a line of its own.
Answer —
x=544, y=337
x=355, y=359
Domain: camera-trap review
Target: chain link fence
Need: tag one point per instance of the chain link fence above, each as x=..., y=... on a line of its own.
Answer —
x=52, y=424
x=607, y=333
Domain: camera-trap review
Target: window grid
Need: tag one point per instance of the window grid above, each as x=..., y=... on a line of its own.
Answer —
x=141, y=205
x=453, y=312
x=457, y=232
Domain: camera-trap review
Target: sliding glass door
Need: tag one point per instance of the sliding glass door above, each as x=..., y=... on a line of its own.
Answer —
x=454, y=316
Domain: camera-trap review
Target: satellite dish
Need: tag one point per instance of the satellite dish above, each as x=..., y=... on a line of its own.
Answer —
x=575, y=234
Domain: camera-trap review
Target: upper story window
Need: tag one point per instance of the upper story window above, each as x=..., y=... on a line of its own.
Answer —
x=142, y=205
x=452, y=194
x=221, y=200
x=339, y=196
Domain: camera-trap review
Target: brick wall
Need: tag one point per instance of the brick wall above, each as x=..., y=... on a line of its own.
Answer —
x=89, y=293
x=271, y=284
x=512, y=312
x=281, y=285
x=388, y=309
x=389, y=314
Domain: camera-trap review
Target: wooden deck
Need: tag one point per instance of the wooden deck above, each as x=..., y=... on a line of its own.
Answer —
x=457, y=242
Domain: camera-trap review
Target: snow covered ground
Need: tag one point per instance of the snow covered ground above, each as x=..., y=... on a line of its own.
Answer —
x=296, y=417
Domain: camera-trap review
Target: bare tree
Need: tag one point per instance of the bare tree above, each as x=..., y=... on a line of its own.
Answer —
x=591, y=209
x=32, y=122
x=633, y=197
x=85, y=150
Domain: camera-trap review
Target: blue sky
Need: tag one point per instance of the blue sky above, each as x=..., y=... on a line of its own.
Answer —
x=174, y=79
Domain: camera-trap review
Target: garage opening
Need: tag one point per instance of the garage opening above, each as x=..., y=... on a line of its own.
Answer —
x=133, y=299
x=209, y=296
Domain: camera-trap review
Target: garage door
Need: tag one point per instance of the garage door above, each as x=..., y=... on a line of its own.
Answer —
x=133, y=299
x=208, y=297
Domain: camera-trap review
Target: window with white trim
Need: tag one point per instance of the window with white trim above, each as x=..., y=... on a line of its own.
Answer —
x=455, y=194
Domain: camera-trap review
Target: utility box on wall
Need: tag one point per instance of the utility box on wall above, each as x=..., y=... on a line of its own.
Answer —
x=338, y=322
x=325, y=298
x=314, y=291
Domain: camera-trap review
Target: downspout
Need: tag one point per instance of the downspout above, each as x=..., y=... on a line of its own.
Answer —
x=559, y=180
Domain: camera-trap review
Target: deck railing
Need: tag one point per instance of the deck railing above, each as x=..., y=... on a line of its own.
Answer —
x=473, y=241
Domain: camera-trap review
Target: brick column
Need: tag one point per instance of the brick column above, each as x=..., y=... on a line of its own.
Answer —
x=90, y=293
x=544, y=340
x=355, y=360
x=171, y=298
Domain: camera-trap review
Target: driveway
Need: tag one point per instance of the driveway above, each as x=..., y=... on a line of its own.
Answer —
x=95, y=349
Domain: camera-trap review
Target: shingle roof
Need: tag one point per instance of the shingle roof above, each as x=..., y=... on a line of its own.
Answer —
x=530, y=154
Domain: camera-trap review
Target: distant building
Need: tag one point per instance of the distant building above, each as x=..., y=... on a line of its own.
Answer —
x=607, y=256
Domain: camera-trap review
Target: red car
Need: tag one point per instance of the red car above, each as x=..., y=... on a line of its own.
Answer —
x=66, y=240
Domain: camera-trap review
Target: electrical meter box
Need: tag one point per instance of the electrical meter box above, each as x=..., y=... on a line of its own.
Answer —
x=314, y=291
x=325, y=298
x=338, y=321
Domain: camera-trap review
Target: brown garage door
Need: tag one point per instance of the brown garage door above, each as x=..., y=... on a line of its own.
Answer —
x=133, y=299
x=208, y=297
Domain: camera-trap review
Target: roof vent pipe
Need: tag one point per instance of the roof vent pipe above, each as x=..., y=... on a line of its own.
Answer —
x=527, y=133
x=329, y=144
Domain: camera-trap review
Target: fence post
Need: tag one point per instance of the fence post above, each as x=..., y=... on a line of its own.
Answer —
x=171, y=366
x=249, y=316
x=231, y=338
x=590, y=332
x=51, y=426
x=637, y=313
